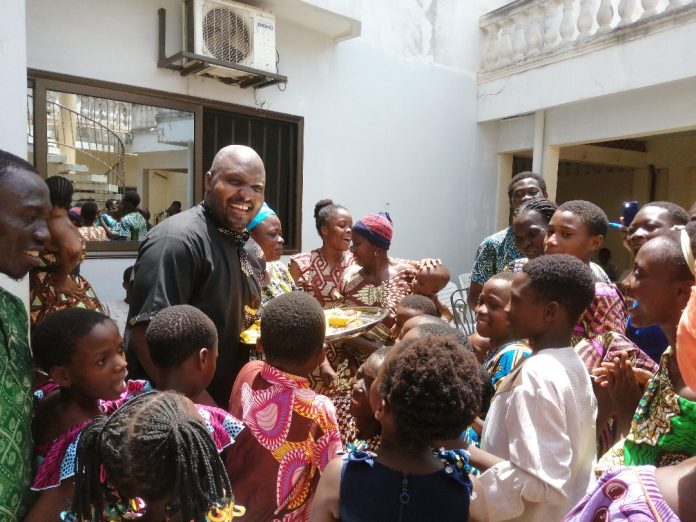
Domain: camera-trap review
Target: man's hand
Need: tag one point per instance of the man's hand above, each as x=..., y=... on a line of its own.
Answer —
x=328, y=376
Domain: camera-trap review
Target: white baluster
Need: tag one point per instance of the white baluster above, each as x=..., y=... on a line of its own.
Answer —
x=650, y=7
x=534, y=37
x=628, y=10
x=491, y=55
x=551, y=23
x=673, y=4
x=585, y=18
x=605, y=14
x=505, y=50
x=519, y=41
x=567, y=29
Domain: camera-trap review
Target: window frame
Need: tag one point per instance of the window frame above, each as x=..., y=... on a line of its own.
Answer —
x=42, y=81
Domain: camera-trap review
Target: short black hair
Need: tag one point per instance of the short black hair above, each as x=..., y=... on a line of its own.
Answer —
x=677, y=213
x=109, y=202
x=323, y=210
x=528, y=174
x=61, y=191
x=671, y=254
x=590, y=214
x=132, y=197
x=544, y=207
x=562, y=278
x=89, y=212
x=292, y=328
x=55, y=337
x=420, y=303
x=177, y=332
x=10, y=162
x=443, y=329
x=176, y=203
x=504, y=276
x=432, y=386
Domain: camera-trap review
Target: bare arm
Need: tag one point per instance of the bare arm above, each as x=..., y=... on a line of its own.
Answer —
x=51, y=502
x=137, y=342
x=295, y=272
x=473, y=294
x=363, y=345
x=327, y=499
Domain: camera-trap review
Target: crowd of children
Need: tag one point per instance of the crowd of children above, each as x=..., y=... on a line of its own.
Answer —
x=552, y=410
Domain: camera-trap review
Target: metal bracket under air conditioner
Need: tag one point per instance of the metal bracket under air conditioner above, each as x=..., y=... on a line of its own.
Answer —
x=197, y=64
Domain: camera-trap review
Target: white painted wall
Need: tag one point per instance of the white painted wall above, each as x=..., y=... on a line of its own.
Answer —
x=389, y=116
x=13, y=100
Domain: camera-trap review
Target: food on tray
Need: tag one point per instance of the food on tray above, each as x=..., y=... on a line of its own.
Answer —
x=251, y=334
x=339, y=318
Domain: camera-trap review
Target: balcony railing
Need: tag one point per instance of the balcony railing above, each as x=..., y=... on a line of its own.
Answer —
x=530, y=33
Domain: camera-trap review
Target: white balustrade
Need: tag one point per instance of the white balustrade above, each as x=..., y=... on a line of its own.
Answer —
x=585, y=18
x=605, y=15
x=628, y=11
x=529, y=30
x=650, y=8
x=567, y=29
x=519, y=40
x=552, y=20
x=534, y=33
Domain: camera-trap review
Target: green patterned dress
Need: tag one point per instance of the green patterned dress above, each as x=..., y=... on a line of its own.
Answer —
x=15, y=408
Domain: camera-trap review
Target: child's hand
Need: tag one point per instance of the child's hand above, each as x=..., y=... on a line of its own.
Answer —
x=328, y=376
x=620, y=379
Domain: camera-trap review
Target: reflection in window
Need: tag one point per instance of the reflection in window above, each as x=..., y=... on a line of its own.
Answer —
x=109, y=148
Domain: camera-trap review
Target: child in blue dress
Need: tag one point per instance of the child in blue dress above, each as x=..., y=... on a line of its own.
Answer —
x=427, y=389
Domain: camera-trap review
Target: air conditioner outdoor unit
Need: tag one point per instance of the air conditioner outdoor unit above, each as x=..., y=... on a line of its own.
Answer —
x=231, y=32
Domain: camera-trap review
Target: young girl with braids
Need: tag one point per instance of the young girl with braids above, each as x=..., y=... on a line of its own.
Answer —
x=81, y=350
x=153, y=460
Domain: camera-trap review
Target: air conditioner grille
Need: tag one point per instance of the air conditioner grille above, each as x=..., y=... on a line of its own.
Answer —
x=226, y=34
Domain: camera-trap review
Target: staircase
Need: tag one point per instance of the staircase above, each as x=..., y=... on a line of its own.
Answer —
x=78, y=145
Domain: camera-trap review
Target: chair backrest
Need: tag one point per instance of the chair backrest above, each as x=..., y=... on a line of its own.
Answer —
x=445, y=294
x=463, y=315
x=465, y=280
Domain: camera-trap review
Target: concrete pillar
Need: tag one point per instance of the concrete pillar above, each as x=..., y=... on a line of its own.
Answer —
x=13, y=100
x=504, y=177
x=549, y=169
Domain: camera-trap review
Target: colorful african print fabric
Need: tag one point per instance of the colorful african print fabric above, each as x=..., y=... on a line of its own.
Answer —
x=494, y=254
x=93, y=233
x=606, y=313
x=662, y=430
x=15, y=408
x=501, y=362
x=281, y=282
x=131, y=227
x=44, y=299
x=55, y=460
x=624, y=495
x=291, y=434
x=320, y=279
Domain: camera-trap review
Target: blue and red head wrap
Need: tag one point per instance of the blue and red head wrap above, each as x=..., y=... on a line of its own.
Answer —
x=376, y=228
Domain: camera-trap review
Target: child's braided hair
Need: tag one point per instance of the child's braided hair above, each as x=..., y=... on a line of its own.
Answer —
x=151, y=448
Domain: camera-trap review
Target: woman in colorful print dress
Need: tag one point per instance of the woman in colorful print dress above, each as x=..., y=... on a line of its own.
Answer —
x=320, y=271
x=54, y=284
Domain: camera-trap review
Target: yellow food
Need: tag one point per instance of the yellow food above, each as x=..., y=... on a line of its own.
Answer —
x=251, y=334
x=338, y=318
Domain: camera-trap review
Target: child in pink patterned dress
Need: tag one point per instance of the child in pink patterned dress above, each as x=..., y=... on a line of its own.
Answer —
x=81, y=350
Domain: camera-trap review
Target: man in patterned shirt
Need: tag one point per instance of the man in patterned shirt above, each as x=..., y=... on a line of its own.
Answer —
x=132, y=225
x=499, y=250
x=24, y=207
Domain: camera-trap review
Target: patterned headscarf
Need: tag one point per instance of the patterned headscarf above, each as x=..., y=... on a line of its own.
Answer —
x=264, y=212
x=376, y=228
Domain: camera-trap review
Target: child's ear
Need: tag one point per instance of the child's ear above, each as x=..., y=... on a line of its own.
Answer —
x=596, y=242
x=551, y=311
x=204, y=355
x=381, y=409
x=61, y=376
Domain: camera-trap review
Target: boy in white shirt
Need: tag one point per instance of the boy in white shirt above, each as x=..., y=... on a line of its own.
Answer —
x=539, y=440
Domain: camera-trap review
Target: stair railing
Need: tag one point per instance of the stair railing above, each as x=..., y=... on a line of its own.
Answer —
x=70, y=129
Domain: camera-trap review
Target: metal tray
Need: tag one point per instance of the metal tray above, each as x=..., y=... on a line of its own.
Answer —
x=369, y=317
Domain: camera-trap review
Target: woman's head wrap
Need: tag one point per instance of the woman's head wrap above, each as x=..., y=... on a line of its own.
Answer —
x=264, y=212
x=376, y=228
